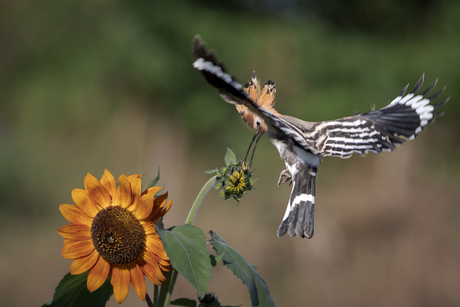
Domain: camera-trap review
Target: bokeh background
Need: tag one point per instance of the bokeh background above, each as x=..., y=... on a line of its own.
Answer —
x=109, y=84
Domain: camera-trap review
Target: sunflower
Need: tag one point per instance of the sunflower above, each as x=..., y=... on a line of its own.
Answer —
x=237, y=182
x=112, y=232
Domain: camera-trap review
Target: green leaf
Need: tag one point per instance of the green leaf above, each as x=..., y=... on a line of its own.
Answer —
x=184, y=302
x=210, y=171
x=215, y=259
x=230, y=157
x=73, y=292
x=258, y=289
x=185, y=246
x=155, y=180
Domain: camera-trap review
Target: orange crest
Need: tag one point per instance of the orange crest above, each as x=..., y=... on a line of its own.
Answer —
x=264, y=98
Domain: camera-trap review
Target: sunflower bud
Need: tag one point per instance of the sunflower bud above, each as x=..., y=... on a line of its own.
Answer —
x=233, y=180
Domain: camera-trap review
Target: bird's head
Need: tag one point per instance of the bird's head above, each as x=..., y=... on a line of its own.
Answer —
x=264, y=98
x=253, y=121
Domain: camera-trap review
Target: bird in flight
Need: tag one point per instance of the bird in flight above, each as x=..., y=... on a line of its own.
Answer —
x=302, y=144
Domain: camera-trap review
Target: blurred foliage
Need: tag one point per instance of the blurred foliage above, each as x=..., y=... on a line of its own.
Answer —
x=82, y=84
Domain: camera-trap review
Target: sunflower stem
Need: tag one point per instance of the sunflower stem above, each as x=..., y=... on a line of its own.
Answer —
x=149, y=301
x=170, y=288
x=199, y=199
x=155, y=295
x=167, y=289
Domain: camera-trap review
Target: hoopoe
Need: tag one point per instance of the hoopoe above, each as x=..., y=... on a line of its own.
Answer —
x=302, y=144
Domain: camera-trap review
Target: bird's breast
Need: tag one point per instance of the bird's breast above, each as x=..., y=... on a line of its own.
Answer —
x=293, y=154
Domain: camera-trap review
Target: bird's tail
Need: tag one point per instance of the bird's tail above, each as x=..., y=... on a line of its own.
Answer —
x=299, y=217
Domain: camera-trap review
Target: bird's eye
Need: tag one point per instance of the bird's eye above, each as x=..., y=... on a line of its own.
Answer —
x=241, y=113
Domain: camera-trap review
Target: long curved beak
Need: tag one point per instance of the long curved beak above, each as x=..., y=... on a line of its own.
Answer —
x=257, y=135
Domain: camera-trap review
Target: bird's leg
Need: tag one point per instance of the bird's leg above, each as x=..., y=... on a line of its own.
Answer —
x=284, y=177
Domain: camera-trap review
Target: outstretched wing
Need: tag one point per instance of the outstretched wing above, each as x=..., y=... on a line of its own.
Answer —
x=229, y=89
x=380, y=130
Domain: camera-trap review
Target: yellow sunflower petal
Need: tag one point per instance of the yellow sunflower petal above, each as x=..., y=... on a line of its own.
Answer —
x=75, y=232
x=153, y=190
x=76, y=249
x=165, y=268
x=82, y=200
x=155, y=246
x=138, y=280
x=98, y=274
x=123, y=195
x=136, y=185
x=108, y=181
x=134, y=177
x=158, y=273
x=149, y=272
x=154, y=242
x=144, y=206
x=97, y=191
x=162, y=213
x=159, y=256
x=150, y=228
x=158, y=205
x=160, y=276
x=74, y=215
x=153, y=260
x=143, y=209
x=148, y=257
x=146, y=202
x=120, y=281
x=83, y=264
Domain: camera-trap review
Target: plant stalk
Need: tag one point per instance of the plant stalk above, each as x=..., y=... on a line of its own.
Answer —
x=167, y=288
x=199, y=199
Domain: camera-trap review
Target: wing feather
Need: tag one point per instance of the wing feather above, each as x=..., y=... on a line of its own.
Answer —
x=380, y=130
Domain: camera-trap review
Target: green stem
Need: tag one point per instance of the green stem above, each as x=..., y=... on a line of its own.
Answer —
x=155, y=295
x=149, y=301
x=199, y=199
x=167, y=288
x=164, y=290
x=170, y=289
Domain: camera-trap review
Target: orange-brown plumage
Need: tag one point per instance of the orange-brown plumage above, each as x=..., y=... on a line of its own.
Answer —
x=264, y=98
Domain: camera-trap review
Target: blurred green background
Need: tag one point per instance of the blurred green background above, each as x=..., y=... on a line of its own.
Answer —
x=110, y=84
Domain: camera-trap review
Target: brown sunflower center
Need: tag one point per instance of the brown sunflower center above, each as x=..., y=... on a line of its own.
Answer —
x=117, y=235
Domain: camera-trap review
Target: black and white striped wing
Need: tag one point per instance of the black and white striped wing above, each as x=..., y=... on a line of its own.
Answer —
x=380, y=130
x=231, y=90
